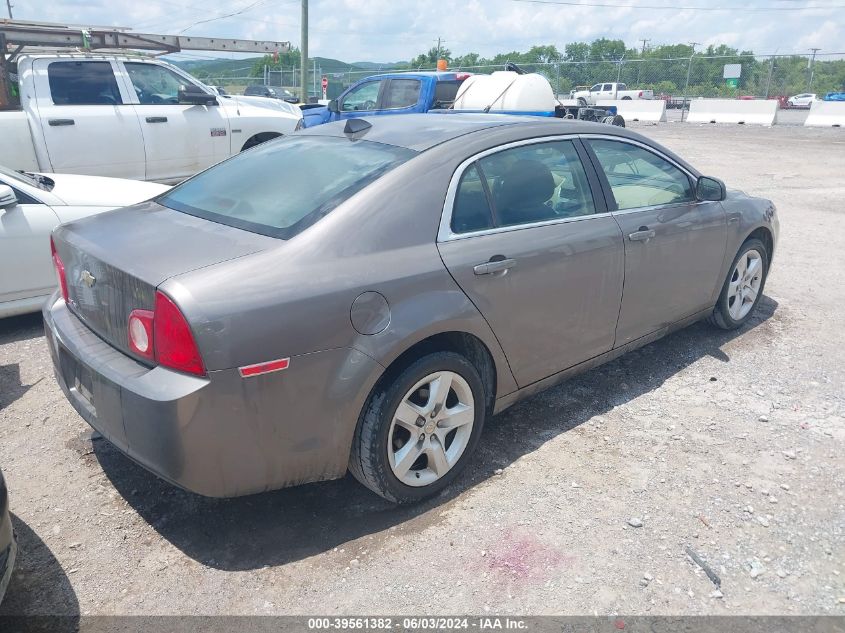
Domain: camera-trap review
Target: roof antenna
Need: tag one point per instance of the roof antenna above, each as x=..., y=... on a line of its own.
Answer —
x=356, y=126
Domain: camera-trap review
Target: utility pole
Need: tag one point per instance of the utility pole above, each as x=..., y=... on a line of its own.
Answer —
x=644, y=41
x=303, y=51
x=437, y=56
x=812, y=68
x=686, y=85
x=9, y=7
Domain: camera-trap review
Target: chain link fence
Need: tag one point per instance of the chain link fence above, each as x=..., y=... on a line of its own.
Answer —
x=670, y=79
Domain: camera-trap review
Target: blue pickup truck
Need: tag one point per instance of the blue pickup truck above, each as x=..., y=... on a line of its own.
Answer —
x=510, y=92
x=390, y=93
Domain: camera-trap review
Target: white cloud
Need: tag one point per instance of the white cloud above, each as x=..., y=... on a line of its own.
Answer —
x=391, y=30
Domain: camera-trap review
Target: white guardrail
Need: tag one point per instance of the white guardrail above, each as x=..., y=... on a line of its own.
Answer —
x=755, y=112
x=826, y=114
x=643, y=110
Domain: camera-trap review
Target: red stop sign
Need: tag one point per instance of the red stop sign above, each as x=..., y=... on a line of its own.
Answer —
x=325, y=82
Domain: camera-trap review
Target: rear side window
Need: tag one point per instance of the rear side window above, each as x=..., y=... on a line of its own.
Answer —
x=445, y=93
x=401, y=93
x=83, y=83
x=527, y=184
x=282, y=187
x=471, y=211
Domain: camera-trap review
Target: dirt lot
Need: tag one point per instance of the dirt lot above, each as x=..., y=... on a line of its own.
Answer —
x=731, y=444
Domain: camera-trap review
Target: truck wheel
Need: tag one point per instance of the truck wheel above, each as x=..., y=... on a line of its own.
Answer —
x=626, y=98
x=258, y=139
x=618, y=120
x=582, y=101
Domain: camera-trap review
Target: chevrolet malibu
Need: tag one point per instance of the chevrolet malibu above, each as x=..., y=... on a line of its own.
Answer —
x=363, y=295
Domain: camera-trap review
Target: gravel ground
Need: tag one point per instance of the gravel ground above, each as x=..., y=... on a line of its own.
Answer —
x=581, y=500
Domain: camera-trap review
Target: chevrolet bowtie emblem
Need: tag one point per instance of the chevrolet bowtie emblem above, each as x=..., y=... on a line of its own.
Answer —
x=87, y=278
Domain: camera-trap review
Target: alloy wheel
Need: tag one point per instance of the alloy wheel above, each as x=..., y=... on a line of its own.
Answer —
x=431, y=428
x=745, y=283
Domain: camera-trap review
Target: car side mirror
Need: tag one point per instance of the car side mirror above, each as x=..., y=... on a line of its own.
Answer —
x=709, y=189
x=192, y=94
x=8, y=198
x=333, y=106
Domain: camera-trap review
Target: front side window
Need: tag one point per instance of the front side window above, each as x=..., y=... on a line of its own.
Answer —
x=282, y=187
x=596, y=88
x=83, y=83
x=401, y=93
x=153, y=84
x=362, y=98
x=639, y=178
x=523, y=185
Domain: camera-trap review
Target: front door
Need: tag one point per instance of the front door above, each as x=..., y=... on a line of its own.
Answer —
x=536, y=253
x=362, y=100
x=88, y=126
x=179, y=139
x=674, y=245
x=25, y=248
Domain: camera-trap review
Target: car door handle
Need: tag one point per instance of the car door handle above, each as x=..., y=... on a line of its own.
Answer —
x=58, y=122
x=494, y=266
x=156, y=119
x=644, y=234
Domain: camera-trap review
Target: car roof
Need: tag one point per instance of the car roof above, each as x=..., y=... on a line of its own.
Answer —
x=420, y=132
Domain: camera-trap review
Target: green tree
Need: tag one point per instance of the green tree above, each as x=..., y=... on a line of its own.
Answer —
x=429, y=59
x=286, y=60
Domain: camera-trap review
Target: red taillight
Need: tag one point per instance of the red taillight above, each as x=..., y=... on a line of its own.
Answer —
x=60, y=269
x=174, y=343
x=164, y=336
x=640, y=95
x=140, y=333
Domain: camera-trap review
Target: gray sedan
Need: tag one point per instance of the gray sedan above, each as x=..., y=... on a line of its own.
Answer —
x=363, y=295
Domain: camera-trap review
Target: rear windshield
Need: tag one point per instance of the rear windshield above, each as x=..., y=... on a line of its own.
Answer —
x=282, y=187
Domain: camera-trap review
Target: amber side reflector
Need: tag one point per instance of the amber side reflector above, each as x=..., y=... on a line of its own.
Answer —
x=248, y=371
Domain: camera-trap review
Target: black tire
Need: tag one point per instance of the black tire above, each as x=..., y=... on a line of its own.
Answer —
x=626, y=98
x=721, y=316
x=368, y=460
x=582, y=102
x=618, y=120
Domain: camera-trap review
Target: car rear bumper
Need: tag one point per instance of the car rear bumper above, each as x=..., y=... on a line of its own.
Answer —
x=220, y=435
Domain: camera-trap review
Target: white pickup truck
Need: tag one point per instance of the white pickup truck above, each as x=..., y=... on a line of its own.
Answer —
x=127, y=117
x=608, y=92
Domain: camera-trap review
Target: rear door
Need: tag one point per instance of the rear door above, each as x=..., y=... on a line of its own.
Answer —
x=179, y=139
x=88, y=126
x=536, y=253
x=674, y=245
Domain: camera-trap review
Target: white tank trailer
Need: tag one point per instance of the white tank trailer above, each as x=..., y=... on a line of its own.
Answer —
x=514, y=91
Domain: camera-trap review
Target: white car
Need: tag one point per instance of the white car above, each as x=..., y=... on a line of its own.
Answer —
x=804, y=100
x=31, y=206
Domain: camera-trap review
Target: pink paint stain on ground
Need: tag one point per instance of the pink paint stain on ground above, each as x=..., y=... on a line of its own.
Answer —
x=523, y=556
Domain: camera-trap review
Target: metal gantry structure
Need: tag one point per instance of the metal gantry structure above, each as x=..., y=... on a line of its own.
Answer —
x=18, y=36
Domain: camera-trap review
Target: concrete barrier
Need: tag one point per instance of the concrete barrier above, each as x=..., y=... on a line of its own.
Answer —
x=826, y=114
x=644, y=110
x=756, y=112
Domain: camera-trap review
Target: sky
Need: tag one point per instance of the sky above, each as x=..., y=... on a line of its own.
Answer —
x=397, y=30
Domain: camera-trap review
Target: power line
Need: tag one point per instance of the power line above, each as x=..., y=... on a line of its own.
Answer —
x=677, y=8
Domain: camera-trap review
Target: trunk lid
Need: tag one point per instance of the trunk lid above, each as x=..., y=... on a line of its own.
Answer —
x=115, y=261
